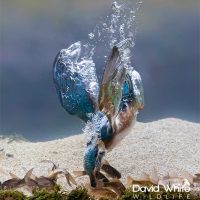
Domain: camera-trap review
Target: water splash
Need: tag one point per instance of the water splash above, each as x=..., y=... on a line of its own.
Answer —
x=78, y=58
x=91, y=130
x=117, y=29
x=90, y=134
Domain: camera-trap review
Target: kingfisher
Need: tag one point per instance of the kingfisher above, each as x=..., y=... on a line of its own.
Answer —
x=108, y=108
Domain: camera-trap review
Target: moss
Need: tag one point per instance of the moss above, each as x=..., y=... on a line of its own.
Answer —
x=76, y=194
x=102, y=198
x=43, y=194
x=11, y=195
x=79, y=193
x=128, y=194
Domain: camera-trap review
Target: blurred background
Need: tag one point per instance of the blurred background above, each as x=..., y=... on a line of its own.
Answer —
x=166, y=55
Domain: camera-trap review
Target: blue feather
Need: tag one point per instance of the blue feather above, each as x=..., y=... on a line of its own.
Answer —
x=72, y=88
x=90, y=158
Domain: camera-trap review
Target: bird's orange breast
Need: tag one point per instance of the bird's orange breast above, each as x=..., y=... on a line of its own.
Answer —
x=121, y=123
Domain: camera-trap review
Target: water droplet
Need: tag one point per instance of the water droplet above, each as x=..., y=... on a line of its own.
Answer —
x=91, y=35
x=115, y=6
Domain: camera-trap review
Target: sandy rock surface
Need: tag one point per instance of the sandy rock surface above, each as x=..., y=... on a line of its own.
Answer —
x=167, y=144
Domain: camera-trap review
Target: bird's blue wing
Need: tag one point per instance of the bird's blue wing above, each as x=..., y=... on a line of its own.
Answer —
x=76, y=82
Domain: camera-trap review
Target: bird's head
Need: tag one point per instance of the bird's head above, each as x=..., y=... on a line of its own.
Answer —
x=90, y=156
x=96, y=131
